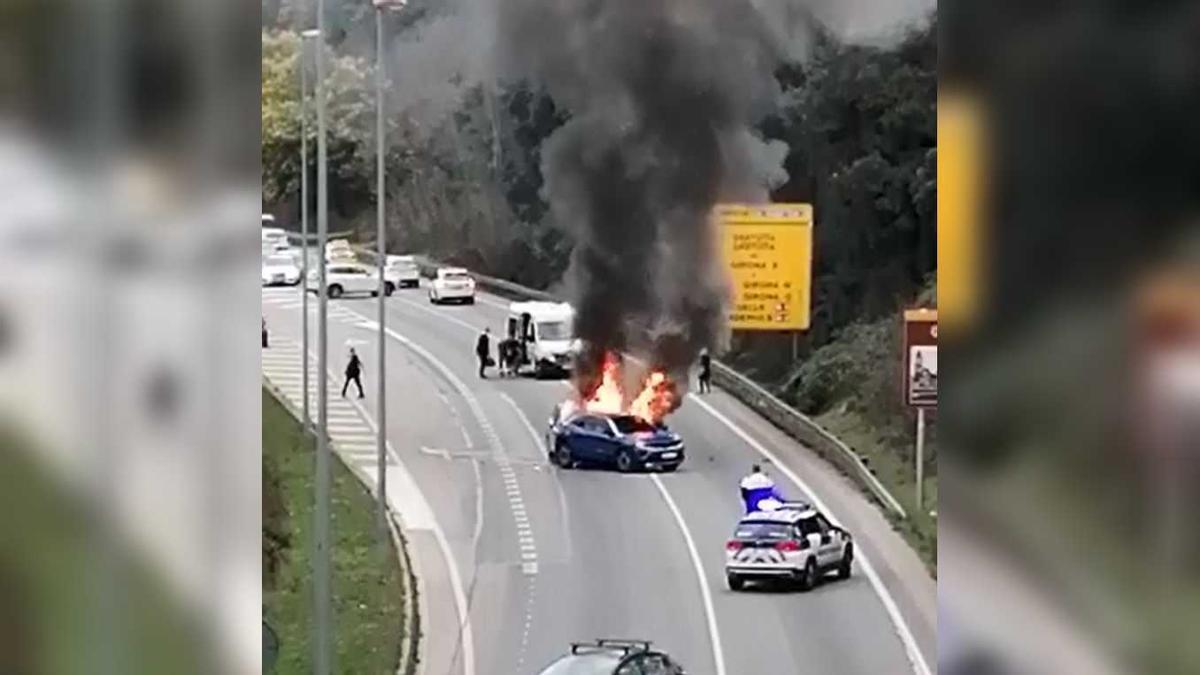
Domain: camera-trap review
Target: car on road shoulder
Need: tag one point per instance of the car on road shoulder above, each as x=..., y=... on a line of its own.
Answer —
x=346, y=279
x=452, y=284
x=401, y=271
x=613, y=657
x=793, y=543
x=627, y=442
x=280, y=269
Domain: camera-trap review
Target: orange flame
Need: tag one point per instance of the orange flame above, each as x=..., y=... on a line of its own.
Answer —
x=656, y=397
x=608, y=397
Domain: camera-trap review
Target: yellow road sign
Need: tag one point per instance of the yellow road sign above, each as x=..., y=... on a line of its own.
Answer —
x=768, y=253
x=960, y=206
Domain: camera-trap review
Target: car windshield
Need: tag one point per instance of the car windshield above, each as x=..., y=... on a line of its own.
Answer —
x=456, y=276
x=280, y=260
x=554, y=330
x=762, y=530
x=629, y=424
x=597, y=663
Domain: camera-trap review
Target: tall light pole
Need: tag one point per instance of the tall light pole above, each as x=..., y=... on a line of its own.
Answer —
x=381, y=6
x=322, y=596
x=305, y=37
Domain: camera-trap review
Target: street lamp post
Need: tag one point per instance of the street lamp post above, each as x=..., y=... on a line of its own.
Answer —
x=322, y=596
x=305, y=37
x=381, y=6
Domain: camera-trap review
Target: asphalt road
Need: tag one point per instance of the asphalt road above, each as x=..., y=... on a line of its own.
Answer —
x=547, y=556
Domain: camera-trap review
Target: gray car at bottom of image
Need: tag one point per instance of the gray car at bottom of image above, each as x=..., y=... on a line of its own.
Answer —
x=613, y=657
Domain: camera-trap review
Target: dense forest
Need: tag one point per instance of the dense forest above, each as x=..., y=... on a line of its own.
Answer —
x=464, y=183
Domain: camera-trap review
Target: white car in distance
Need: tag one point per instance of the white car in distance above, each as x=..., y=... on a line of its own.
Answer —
x=346, y=279
x=452, y=284
x=401, y=271
x=339, y=250
x=280, y=269
x=272, y=237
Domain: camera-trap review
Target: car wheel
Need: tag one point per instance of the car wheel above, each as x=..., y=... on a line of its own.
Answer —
x=432, y=300
x=335, y=291
x=808, y=578
x=562, y=456
x=470, y=301
x=625, y=461
x=735, y=582
x=844, y=567
x=389, y=288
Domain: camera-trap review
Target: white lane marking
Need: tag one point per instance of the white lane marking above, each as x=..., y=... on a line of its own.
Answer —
x=916, y=659
x=477, y=410
x=705, y=594
x=466, y=634
x=447, y=317
x=562, y=496
x=477, y=534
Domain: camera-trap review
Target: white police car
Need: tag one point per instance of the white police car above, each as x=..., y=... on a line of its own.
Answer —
x=793, y=543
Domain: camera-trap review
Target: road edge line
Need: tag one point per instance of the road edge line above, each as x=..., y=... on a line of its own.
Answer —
x=911, y=648
x=439, y=535
x=562, y=495
x=714, y=635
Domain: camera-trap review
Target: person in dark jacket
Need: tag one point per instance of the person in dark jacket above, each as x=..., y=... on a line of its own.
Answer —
x=353, y=371
x=705, y=372
x=265, y=341
x=483, y=350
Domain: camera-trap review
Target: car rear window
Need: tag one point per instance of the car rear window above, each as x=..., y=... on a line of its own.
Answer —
x=762, y=530
x=629, y=424
x=456, y=276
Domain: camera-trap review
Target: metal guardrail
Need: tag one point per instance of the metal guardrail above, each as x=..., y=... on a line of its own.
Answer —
x=791, y=421
x=804, y=429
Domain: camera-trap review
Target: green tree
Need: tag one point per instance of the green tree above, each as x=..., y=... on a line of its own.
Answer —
x=350, y=121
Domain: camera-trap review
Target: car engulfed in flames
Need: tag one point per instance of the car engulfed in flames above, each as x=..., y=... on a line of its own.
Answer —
x=644, y=392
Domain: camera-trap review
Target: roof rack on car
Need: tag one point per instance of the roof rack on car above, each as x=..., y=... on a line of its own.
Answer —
x=627, y=646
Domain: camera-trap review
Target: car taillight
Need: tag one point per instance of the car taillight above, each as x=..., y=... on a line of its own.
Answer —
x=733, y=545
x=788, y=545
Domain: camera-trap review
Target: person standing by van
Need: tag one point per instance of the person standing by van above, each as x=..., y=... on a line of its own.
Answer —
x=483, y=351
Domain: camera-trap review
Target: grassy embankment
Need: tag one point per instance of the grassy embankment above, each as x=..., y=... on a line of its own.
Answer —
x=368, y=588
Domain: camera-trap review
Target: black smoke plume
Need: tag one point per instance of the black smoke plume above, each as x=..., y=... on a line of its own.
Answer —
x=662, y=97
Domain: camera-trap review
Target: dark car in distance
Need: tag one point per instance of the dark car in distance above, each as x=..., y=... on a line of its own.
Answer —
x=626, y=442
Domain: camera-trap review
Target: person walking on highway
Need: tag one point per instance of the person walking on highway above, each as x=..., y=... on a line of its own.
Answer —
x=353, y=371
x=265, y=341
x=705, y=372
x=483, y=351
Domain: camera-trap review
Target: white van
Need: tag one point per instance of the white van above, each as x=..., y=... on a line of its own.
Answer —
x=546, y=333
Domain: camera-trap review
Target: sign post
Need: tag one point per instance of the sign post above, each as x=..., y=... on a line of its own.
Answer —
x=768, y=252
x=920, y=379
